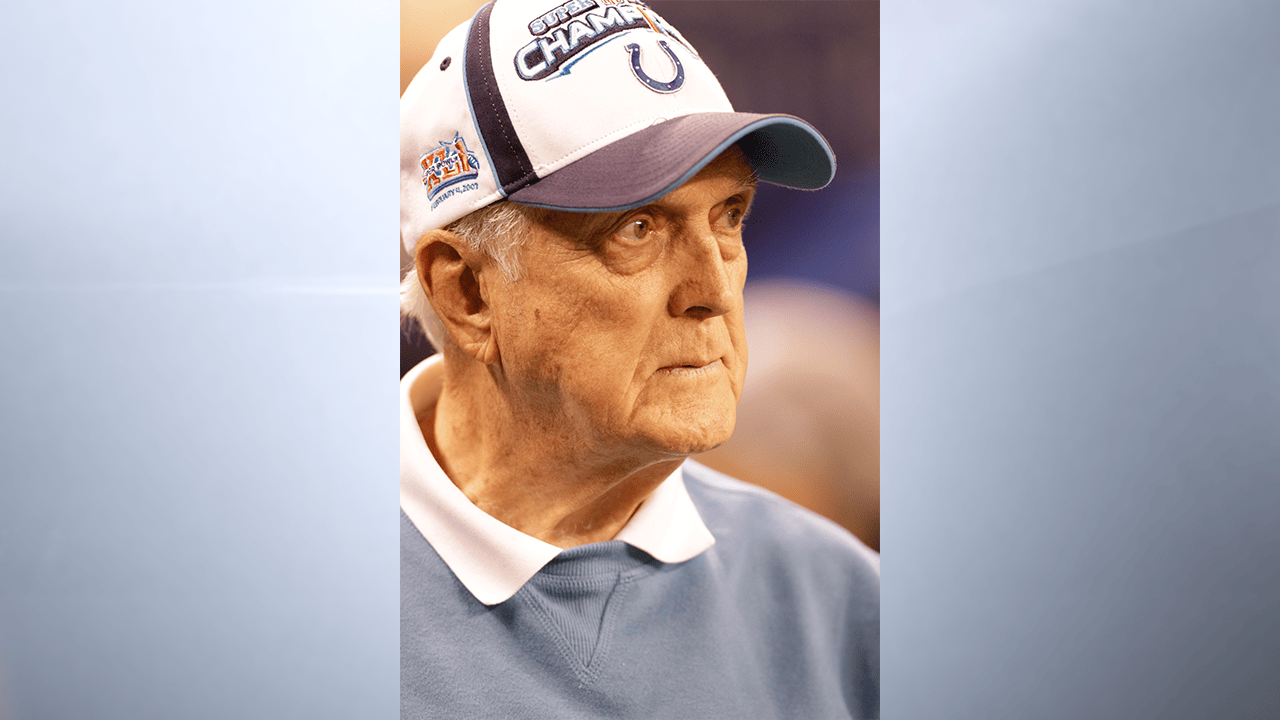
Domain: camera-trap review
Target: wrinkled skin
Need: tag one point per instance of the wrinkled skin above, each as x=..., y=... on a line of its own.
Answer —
x=632, y=339
x=576, y=389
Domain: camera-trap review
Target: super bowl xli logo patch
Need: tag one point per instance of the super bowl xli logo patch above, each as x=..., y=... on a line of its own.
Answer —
x=566, y=33
x=449, y=167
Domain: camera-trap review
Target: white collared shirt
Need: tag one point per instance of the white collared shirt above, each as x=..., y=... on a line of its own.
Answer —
x=494, y=560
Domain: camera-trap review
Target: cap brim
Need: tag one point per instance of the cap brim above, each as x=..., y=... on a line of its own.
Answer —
x=648, y=164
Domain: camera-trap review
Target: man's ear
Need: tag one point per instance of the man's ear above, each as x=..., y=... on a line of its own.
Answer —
x=449, y=273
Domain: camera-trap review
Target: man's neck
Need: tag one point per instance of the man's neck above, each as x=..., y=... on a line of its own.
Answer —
x=531, y=477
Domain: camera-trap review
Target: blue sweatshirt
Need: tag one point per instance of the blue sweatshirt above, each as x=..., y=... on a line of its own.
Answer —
x=780, y=618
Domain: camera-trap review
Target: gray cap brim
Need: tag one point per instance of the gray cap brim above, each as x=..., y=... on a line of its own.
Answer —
x=648, y=164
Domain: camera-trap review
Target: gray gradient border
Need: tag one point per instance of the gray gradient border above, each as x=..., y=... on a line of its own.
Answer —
x=198, y=357
x=1081, y=359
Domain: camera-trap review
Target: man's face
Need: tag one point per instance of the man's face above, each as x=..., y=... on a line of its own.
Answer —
x=625, y=332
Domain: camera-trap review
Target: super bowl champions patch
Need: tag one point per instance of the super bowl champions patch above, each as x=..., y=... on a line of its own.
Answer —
x=449, y=169
x=567, y=32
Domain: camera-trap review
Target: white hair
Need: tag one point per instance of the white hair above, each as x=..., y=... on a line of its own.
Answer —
x=498, y=231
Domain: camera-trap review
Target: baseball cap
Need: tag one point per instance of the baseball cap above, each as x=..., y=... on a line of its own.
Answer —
x=585, y=105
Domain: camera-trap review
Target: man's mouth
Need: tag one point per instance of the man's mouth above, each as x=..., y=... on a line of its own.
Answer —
x=691, y=369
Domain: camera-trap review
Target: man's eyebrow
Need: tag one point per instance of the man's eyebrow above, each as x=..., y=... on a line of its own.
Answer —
x=592, y=226
x=749, y=180
x=581, y=227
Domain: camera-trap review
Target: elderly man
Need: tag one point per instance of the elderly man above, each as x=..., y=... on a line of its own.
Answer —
x=573, y=190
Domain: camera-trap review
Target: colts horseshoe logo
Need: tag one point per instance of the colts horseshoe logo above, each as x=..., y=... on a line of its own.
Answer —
x=655, y=85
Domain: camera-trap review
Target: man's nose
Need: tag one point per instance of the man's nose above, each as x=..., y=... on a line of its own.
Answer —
x=707, y=284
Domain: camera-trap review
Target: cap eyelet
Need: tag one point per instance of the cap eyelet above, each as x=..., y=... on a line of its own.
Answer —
x=445, y=63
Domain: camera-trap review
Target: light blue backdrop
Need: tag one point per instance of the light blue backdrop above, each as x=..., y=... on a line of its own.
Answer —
x=1081, y=359
x=198, y=445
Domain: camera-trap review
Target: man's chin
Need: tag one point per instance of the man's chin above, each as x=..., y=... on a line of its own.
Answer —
x=690, y=436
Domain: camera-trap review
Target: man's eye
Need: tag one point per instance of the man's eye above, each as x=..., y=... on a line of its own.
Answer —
x=732, y=218
x=635, y=231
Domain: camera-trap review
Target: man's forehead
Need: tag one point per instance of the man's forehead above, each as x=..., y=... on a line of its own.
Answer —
x=731, y=164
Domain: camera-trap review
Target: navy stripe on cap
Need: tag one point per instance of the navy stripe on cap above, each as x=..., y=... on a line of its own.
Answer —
x=510, y=161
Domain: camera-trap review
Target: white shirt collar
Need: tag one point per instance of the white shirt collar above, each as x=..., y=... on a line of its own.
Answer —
x=494, y=560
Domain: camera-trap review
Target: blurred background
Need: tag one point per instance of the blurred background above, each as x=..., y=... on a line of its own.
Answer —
x=808, y=424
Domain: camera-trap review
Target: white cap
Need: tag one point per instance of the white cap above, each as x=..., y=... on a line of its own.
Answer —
x=585, y=105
